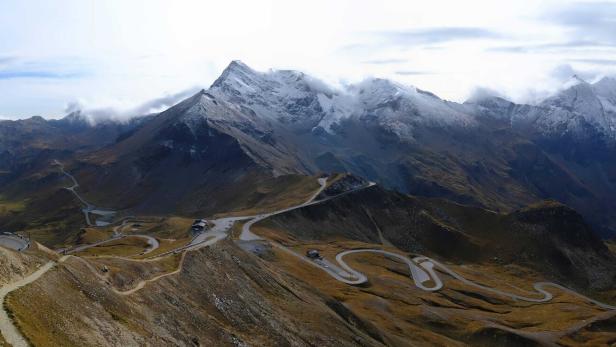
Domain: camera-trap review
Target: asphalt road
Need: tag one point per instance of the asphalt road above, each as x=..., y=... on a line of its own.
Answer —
x=89, y=208
x=247, y=235
x=542, y=294
x=417, y=273
x=152, y=243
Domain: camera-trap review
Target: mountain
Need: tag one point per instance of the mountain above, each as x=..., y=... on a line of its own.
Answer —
x=28, y=138
x=490, y=153
x=187, y=158
x=582, y=110
x=302, y=103
x=575, y=129
x=252, y=126
x=33, y=186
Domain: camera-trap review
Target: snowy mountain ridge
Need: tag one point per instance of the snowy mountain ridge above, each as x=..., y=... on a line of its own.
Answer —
x=302, y=104
x=298, y=100
x=580, y=107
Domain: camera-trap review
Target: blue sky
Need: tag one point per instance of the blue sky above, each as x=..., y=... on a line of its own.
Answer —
x=126, y=57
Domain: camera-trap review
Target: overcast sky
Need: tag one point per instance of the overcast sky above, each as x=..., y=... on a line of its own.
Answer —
x=131, y=56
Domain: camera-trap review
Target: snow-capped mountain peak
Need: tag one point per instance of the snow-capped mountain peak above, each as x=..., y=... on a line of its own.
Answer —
x=581, y=110
x=574, y=81
x=606, y=87
x=300, y=103
x=238, y=79
x=304, y=103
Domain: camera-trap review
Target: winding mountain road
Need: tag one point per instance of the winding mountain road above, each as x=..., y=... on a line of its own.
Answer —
x=152, y=243
x=89, y=208
x=538, y=286
x=247, y=235
x=342, y=271
x=418, y=274
x=422, y=269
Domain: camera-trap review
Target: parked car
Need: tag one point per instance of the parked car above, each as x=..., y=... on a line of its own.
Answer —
x=313, y=254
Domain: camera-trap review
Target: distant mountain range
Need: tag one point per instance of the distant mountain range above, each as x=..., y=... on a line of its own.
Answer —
x=251, y=125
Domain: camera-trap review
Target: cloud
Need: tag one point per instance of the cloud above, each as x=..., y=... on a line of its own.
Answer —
x=156, y=105
x=590, y=21
x=437, y=35
x=583, y=14
x=13, y=67
x=585, y=24
x=481, y=93
x=13, y=74
x=384, y=61
x=102, y=114
x=6, y=59
x=554, y=46
x=595, y=61
x=427, y=38
x=413, y=73
x=565, y=72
